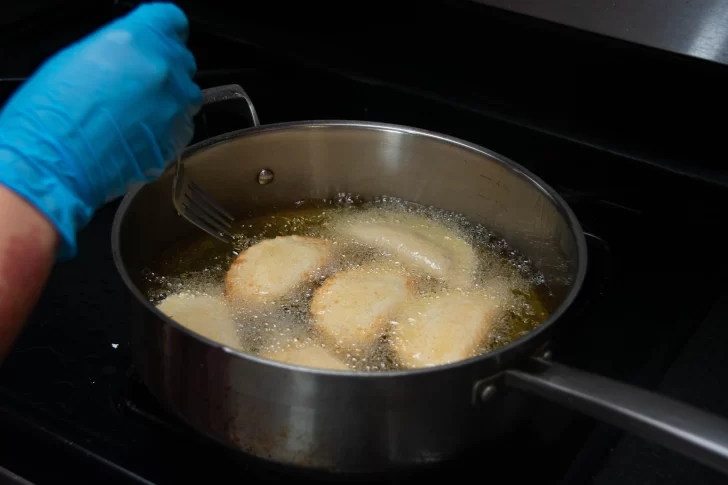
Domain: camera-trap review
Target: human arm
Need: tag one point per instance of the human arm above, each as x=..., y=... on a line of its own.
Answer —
x=28, y=245
x=106, y=113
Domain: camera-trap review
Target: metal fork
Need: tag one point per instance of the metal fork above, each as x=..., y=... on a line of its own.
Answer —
x=198, y=207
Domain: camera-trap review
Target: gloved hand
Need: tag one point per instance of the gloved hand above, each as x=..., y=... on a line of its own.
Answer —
x=107, y=112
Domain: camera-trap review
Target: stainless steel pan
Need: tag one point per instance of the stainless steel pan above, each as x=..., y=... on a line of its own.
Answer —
x=353, y=422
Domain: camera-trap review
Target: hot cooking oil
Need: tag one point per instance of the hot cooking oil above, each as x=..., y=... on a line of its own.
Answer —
x=199, y=266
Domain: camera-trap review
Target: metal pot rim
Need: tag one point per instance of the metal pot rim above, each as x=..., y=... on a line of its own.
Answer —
x=496, y=355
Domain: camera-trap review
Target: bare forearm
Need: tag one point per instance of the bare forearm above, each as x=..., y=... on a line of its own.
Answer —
x=28, y=244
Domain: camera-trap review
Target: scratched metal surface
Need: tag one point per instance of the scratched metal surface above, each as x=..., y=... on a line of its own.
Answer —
x=696, y=28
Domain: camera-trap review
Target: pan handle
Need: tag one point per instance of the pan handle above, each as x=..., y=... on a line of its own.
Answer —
x=231, y=98
x=222, y=111
x=677, y=426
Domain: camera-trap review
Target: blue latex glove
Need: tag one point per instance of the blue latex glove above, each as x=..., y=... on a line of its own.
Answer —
x=106, y=113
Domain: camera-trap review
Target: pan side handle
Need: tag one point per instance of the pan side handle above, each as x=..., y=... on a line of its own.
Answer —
x=224, y=109
x=675, y=425
x=230, y=98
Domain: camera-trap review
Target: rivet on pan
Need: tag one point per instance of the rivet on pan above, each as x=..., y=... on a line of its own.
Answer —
x=548, y=355
x=265, y=176
x=487, y=393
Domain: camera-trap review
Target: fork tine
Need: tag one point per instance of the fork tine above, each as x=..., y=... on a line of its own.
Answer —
x=199, y=208
x=191, y=205
x=200, y=221
x=194, y=201
x=210, y=201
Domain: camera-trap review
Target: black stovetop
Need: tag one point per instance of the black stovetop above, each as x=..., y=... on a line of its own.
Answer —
x=72, y=409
